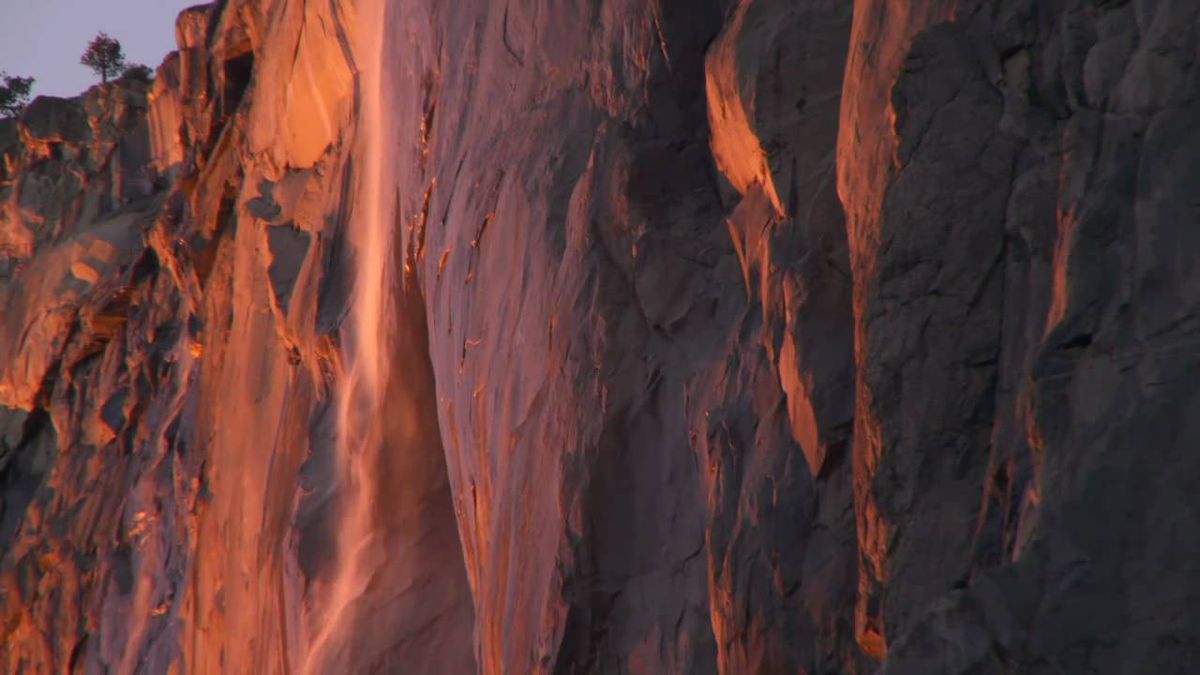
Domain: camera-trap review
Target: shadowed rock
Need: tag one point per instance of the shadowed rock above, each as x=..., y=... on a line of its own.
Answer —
x=289, y=247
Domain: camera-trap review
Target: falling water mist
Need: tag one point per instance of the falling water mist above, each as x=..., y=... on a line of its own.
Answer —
x=366, y=364
x=390, y=604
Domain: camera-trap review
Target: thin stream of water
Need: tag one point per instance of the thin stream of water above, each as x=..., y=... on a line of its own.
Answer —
x=365, y=339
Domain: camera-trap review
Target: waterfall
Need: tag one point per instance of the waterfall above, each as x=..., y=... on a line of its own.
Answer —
x=365, y=339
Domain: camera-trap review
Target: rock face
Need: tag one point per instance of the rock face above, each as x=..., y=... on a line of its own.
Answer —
x=746, y=336
x=1014, y=179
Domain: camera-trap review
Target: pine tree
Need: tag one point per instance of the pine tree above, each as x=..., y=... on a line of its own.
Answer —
x=14, y=94
x=104, y=56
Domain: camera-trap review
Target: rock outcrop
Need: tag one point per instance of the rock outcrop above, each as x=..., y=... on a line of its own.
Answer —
x=746, y=336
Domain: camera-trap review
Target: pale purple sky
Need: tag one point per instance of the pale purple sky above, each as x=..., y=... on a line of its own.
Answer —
x=45, y=38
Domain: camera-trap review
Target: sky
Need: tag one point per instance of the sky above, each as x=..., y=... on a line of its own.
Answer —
x=44, y=39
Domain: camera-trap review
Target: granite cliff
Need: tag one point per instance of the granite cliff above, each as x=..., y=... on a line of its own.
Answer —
x=728, y=336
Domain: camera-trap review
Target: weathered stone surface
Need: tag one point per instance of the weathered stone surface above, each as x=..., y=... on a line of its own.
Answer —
x=746, y=336
x=1014, y=438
